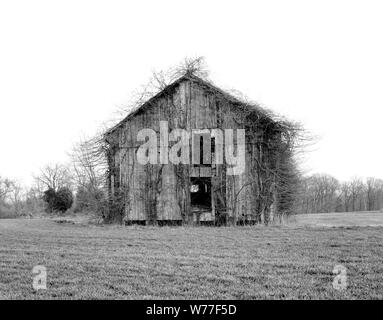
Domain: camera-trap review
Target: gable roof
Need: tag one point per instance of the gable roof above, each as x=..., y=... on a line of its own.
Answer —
x=190, y=77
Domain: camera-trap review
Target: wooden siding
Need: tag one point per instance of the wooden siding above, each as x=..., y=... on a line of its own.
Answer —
x=162, y=192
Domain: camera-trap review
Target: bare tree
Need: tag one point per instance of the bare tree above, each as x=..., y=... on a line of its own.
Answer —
x=6, y=187
x=374, y=194
x=12, y=196
x=17, y=198
x=33, y=201
x=356, y=194
x=54, y=177
x=89, y=172
x=345, y=196
x=321, y=193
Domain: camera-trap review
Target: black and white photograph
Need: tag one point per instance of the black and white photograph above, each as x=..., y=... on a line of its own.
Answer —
x=190, y=156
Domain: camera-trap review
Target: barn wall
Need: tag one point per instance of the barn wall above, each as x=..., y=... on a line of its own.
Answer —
x=162, y=192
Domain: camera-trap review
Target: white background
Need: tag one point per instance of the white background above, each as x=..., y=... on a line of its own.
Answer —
x=66, y=66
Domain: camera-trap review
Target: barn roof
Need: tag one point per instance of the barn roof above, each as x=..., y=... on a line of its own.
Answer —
x=227, y=96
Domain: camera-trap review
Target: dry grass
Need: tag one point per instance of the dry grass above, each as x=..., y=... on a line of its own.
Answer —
x=289, y=262
x=341, y=219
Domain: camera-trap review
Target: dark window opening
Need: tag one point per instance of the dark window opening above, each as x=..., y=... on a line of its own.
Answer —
x=201, y=150
x=200, y=194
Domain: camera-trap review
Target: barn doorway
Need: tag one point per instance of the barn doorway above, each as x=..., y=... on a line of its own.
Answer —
x=200, y=196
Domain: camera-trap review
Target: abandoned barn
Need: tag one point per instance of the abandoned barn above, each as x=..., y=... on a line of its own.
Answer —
x=204, y=190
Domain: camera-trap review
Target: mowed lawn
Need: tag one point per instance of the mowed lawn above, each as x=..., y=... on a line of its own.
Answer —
x=106, y=262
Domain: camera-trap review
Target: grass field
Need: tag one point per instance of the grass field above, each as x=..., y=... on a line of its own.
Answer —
x=341, y=219
x=279, y=262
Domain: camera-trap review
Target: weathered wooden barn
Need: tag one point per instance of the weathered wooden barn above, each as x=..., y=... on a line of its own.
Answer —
x=194, y=193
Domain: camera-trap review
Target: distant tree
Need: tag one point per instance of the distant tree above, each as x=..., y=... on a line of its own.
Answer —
x=54, y=177
x=89, y=174
x=33, y=201
x=17, y=198
x=374, y=193
x=356, y=194
x=320, y=193
x=6, y=187
x=345, y=197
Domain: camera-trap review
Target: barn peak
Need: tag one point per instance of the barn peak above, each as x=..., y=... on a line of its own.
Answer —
x=207, y=84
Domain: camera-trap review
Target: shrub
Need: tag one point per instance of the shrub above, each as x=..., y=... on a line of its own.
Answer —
x=64, y=199
x=89, y=200
x=61, y=200
x=49, y=198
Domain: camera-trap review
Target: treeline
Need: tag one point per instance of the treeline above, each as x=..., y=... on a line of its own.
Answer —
x=14, y=198
x=81, y=188
x=321, y=193
x=78, y=186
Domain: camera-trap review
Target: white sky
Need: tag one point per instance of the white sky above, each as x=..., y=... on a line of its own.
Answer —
x=66, y=66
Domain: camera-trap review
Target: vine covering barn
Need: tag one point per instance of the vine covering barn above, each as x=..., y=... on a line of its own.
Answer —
x=204, y=190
